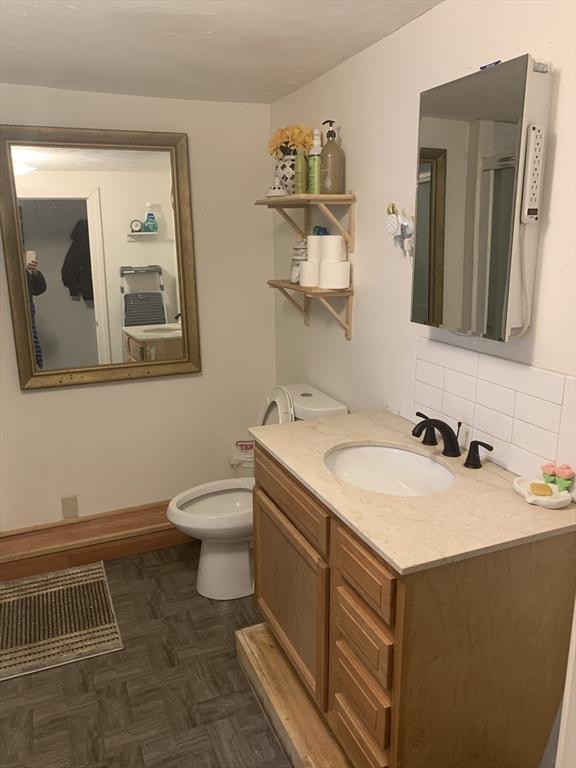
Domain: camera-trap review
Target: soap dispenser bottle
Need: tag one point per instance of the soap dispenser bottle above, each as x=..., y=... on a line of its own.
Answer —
x=150, y=223
x=331, y=164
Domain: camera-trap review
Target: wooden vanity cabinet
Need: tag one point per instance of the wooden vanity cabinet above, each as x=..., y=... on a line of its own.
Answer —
x=154, y=350
x=460, y=665
x=292, y=588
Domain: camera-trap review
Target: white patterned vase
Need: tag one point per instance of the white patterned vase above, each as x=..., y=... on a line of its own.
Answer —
x=286, y=171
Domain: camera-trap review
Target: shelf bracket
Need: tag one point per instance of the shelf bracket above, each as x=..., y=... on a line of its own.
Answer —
x=292, y=223
x=347, y=322
x=344, y=232
x=305, y=311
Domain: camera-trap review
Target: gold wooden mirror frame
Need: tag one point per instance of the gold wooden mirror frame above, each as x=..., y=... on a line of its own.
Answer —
x=177, y=145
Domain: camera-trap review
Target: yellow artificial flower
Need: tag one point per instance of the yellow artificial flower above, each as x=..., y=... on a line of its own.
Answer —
x=291, y=137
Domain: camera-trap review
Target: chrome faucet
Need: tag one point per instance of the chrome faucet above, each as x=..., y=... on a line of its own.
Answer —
x=449, y=437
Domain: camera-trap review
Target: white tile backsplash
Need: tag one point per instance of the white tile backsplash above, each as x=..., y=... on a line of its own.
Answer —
x=454, y=358
x=496, y=397
x=523, y=378
x=567, y=435
x=511, y=457
x=430, y=396
x=493, y=422
x=539, y=412
x=430, y=374
x=431, y=413
x=535, y=439
x=528, y=414
x=458, y=408
x=460, y=384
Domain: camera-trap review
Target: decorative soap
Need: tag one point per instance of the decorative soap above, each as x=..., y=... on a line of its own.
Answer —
x=540, y=489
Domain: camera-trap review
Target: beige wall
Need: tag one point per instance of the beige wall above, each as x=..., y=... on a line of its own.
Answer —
x=374, y=97
x=122, y=444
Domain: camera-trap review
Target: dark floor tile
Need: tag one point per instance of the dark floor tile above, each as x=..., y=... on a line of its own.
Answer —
x=193, y=742
x=129, y=758
x=223, y=706
x=232, y=749
x=175, y=697
x=17, y=736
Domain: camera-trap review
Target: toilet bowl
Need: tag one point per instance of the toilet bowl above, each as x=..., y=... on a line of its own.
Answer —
x=220, y=513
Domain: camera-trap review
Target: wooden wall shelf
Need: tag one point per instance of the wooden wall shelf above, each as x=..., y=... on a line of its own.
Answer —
x=320, y=203
x=322, y=294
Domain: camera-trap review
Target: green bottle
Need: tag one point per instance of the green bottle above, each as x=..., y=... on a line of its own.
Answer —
x=300, y=173
x=314, y=164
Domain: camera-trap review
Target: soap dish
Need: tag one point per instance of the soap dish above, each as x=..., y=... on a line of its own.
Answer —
x=558, y=499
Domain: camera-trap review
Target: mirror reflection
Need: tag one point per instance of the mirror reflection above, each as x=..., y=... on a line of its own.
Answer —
x=469, y=143
x=98, y=239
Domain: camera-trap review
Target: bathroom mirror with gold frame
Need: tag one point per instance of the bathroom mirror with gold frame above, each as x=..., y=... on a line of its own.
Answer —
x=98, y=246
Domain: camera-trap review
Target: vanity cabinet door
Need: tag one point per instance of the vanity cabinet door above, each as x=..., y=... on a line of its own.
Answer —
x=292, y=592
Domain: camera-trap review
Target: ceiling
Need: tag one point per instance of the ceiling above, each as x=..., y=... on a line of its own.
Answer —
x=44, y=158
x=217, y=50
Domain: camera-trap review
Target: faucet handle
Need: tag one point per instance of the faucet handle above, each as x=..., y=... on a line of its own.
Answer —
x=430, y=434
x=473, y=458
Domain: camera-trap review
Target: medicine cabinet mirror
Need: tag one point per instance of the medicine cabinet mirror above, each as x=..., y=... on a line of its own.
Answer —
x=481, y=145
x=97, y=235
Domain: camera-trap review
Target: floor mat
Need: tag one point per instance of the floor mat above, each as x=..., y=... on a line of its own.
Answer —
x=55, y=619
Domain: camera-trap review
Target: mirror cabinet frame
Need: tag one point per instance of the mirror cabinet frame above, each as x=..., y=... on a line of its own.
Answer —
x=437, y=223
x=177, y=145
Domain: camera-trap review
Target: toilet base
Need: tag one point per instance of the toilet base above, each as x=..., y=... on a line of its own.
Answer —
x=225, y=569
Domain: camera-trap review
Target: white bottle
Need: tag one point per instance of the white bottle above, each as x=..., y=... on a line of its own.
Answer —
x=314, y=163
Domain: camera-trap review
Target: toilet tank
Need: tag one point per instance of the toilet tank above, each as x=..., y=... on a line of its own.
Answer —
x=310, y=403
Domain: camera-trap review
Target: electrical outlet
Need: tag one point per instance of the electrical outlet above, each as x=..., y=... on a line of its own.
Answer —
x=69, y=506
x=532, y=174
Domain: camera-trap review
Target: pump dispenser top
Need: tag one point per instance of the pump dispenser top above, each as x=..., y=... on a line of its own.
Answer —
x=331, y=163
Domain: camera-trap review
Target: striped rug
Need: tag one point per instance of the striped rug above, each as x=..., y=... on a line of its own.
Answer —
x=55, y=619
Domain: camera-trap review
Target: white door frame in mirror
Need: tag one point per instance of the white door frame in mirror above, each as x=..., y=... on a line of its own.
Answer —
x=91, y=195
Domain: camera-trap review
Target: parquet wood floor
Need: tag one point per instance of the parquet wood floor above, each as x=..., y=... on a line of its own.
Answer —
x=175, y=697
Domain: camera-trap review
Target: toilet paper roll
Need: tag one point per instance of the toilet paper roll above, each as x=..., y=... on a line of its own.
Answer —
x=333, y=248
x=334, y=274
x=309, y=273
x=315, y=247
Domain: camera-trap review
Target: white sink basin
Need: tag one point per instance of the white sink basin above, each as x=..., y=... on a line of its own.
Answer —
x=165, y=329
x=388, y=470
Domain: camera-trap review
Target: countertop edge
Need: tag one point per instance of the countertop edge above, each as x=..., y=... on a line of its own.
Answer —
x=407, y=570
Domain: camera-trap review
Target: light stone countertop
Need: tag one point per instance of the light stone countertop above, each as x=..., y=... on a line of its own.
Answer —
x=479, y=513
x=150, y=333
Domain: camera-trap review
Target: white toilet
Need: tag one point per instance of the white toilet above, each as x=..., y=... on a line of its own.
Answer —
x=220, y=513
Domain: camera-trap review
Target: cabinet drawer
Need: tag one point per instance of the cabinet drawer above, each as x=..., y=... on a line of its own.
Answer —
x=365, y=634
x=354, y=739
x=357, y=566
x=299, y=506
x=368, y=700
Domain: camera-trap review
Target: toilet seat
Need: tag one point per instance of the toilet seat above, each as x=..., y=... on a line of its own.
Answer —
x=218, y=511
x=278, y=408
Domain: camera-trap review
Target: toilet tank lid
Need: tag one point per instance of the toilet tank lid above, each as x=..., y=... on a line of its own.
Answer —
x=310, y=403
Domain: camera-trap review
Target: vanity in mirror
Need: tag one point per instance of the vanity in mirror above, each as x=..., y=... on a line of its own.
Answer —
x=481, y=145
x=97, y=233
